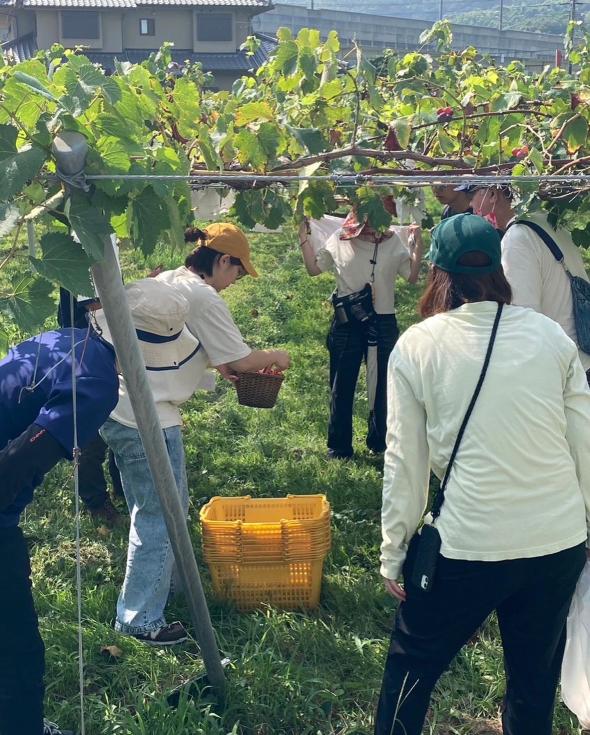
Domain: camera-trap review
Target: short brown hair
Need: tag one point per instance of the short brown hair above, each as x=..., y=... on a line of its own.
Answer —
x=446, y=291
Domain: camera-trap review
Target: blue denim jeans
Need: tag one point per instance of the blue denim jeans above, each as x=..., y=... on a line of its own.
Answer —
x=140, y=607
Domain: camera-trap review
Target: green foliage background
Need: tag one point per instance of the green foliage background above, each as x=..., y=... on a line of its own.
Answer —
x=305, y=113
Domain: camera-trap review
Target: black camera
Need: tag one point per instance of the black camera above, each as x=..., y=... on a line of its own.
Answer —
x=356, y=306
x=340, y=313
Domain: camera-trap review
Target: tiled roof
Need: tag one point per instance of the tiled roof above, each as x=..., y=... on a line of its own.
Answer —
x=260, y=4
x=238, y=61
x=22, y=48
x=26, y=47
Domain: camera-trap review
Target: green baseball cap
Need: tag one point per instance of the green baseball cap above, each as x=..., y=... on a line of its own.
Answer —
x=461, y=234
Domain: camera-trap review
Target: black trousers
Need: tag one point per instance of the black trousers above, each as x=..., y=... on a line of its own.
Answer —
x=22, y=654
x=93, y=484
x=347, y=344
x=531, y=598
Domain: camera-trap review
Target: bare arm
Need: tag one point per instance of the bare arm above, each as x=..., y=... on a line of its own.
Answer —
x=259, y=360
x=309, y=257
x=416, y=252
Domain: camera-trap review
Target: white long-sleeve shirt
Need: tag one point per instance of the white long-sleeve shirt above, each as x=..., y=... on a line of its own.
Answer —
x=520, y=484
x=537, y=279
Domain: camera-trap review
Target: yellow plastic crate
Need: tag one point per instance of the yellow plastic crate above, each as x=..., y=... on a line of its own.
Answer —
x=244, y=529
x=267, y=550
x=289, y=586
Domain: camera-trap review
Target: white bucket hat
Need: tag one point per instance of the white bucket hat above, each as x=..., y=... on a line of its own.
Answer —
x=159, y=313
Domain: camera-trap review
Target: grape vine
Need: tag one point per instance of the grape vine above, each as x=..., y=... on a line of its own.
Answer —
x=307, y=111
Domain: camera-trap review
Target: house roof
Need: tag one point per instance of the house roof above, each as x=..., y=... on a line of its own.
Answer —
x=256, y=4
x=25, y=47
x=238, y=61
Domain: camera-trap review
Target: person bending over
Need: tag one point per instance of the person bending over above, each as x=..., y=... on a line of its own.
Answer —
x=36, y=432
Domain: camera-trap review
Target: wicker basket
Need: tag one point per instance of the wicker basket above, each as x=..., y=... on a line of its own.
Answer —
x=258, y=390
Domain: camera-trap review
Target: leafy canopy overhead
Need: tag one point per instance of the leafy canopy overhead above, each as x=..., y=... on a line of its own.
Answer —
x=307, y=111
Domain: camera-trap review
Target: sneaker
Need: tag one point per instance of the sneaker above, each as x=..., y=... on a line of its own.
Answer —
x=106, y=513
x=50, y=728
x=167, y=635
x=335, y=454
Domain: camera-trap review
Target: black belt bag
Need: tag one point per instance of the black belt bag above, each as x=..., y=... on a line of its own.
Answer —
x=355, y=307
x=423, y=550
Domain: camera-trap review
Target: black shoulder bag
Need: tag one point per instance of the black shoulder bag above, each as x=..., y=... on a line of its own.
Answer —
x=423, y=550
x=580, y=287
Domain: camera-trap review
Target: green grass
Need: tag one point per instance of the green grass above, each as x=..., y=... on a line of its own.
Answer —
x=291, y=673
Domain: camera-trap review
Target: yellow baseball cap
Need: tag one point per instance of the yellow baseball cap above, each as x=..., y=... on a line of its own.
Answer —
x=230, y=240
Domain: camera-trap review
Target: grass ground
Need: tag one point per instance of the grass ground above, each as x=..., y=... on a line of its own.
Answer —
x=291, y=673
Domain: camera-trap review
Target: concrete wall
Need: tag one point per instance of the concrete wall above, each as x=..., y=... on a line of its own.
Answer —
x=120, y=29
x=49, y=31
x=24, y=24
x=179, y=25
x=112, y=32
x=175, y=24
x=47, y=28
x=375, y=33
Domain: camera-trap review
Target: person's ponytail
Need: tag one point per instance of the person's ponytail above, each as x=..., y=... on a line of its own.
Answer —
x=194, y=234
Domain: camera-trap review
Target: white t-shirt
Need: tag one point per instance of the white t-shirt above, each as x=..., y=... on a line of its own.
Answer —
x=209, y=318
x=537, y=279
x=520, y=484
x=350, y=261
x=171, y=388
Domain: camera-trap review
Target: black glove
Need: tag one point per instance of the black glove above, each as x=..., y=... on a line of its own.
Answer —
x=25, y=460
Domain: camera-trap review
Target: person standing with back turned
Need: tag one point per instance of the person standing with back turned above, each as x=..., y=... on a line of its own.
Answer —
x=537, y=279
x=494, y=398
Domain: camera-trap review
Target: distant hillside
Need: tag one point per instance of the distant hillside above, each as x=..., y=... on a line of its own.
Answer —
x=518, y=14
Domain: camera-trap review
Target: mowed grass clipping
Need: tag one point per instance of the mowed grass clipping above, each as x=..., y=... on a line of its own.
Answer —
x=314, y=673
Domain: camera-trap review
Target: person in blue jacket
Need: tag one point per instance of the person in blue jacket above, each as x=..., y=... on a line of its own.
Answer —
x=36, y=432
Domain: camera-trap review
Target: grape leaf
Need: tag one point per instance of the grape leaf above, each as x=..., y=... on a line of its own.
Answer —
x=18, y=169
x=35, y=85
x=147, y=219
x=286, y=56
x=28, y=302
x=575, y=133
x=187, y=98
x=369, y=206
x=254, y=111
x=64, y=262
x=249, y=149
x=310, y=138
x=89, y=222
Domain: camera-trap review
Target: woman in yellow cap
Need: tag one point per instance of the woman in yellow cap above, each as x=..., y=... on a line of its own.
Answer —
x=221, y=257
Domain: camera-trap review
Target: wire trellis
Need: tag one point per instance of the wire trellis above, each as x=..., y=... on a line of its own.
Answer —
x=414, y=180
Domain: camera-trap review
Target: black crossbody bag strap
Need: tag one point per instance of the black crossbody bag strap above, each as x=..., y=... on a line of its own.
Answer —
x=440, y=496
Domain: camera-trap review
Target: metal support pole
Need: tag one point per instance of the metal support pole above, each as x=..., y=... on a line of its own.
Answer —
x=70, y=149
x=31, y=237
x=107, y=279
x=440, y=12
x=501, y=26
x=572, y=19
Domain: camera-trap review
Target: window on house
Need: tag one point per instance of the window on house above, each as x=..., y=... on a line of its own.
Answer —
x=147, y=27
x=80, y=24
x=215, y=27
